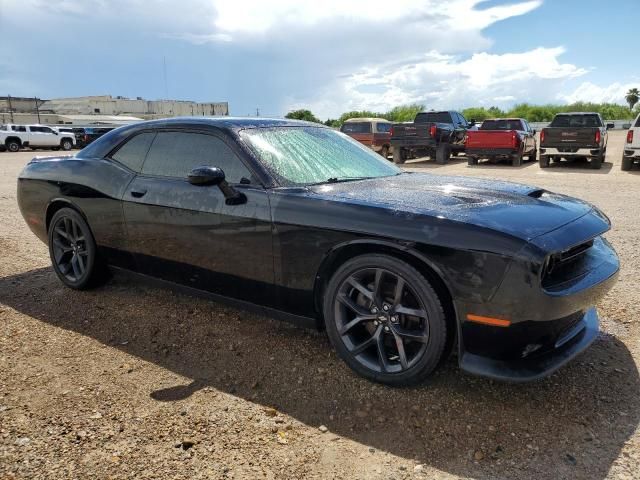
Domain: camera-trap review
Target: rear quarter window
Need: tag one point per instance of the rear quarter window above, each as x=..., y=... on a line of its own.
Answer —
x=133, y=153
x=356, y=127
x=383, y=127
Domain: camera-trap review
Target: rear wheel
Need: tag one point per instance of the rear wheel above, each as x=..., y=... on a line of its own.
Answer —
x=443, y=153
x=627, y=163
x=13, y=145
x=73, y=251
x=533, y=155
x=596, y=162
x=385, y=151
x=516, y=160
x=544, y=161
x=398, y=156
x=385, y=320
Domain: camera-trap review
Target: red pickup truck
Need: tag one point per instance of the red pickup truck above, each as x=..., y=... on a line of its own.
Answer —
x=502, y=139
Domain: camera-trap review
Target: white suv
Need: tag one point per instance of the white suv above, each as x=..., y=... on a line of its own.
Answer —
x=14, y=137
x=631, y=153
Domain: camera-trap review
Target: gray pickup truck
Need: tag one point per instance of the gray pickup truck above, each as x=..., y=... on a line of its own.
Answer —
x=435, y=134
x=573, y=136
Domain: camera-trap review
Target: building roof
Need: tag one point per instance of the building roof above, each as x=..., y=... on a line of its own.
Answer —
x=101, y=119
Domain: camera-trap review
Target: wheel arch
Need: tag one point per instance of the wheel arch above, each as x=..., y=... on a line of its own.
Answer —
x=58, y=204
x=348, y=250
x=13, y=138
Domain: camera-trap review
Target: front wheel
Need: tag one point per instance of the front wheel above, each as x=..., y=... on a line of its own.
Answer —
x=66, y=144
x=73, y=251
x=385, y=320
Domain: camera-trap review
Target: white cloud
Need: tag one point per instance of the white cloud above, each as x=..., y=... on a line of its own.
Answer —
x=445, y=81
x=590, y=92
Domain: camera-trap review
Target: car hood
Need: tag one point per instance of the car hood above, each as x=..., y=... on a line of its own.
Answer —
x=519, y=210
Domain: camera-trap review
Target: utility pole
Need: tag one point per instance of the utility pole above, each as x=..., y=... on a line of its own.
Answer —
x=257, y=111
x=37, y=108
x=166, y=88
x=10, y=107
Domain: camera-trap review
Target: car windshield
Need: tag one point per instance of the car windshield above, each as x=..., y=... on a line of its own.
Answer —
x=312, y=155
x=501, y=125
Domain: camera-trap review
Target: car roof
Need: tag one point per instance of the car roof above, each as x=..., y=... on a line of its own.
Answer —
x=578, y=113
x=367, y=119
x=507, y=119
x=232, y=123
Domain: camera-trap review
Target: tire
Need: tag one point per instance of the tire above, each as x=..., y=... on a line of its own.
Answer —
x=73, y=251
x=596, y=162
x=627, y=163
x=13, y=146
x=385, y=151
x=533, y=156
x=516, y=160
x=398, y=156
x=365, y=332
x=66, y=144
x=544, y=161
x=443, y=153
x=472, y=161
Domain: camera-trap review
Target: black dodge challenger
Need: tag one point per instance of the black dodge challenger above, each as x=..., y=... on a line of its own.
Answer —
x=299, y=221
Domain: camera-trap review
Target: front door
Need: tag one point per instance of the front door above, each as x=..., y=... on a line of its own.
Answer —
x=188, y=234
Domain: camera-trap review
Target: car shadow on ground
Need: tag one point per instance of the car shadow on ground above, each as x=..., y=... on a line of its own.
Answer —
x=571, y=425
x=577, y=165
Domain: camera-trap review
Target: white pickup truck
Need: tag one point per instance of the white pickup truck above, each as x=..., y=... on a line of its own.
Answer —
x=631, y=152
x=14, y=137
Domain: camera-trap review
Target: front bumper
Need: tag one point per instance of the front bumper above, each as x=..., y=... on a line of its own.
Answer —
x=568, y=346
x=568, y=152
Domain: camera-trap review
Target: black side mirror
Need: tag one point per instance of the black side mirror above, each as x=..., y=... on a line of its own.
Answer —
x=205, y=176
x=534, y=131
x=610, y=126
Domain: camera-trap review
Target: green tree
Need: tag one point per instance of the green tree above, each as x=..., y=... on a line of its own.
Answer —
x=404, y=113
x=332, y=122
x=632, y=97
x=303, y=114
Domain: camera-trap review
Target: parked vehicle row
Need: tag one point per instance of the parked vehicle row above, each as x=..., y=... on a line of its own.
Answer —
x=15, y=137
x=440, y=135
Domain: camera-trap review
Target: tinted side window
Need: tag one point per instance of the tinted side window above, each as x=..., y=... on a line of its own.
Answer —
x=132, y=153
x=383, y=127
x=175, y=154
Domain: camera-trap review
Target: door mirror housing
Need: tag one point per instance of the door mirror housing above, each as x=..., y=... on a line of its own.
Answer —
x=534, y=131
x=204, y=176
x=610, y=126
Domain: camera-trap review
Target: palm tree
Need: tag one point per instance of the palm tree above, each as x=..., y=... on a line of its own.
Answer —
x=632, y=97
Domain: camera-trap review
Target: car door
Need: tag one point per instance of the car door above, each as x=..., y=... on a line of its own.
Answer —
x=49, y=138
x=188, y=234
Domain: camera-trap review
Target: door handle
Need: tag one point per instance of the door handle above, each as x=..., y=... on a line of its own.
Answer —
x=138, y=193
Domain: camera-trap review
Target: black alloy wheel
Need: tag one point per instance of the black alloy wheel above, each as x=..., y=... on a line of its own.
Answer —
x=385, y=320
x=73, y=250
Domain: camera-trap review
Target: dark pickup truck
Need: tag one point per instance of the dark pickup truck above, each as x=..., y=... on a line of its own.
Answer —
x=434, y=134
x=574, y=136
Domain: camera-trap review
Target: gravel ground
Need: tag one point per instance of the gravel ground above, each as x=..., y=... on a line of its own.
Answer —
x=133, y=381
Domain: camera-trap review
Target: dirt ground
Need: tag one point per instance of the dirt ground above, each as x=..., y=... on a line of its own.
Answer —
x=133, y=381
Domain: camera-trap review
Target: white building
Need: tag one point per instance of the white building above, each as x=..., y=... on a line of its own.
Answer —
x=138, y=107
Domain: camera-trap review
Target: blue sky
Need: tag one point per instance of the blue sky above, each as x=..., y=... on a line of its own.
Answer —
x=329, y=56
